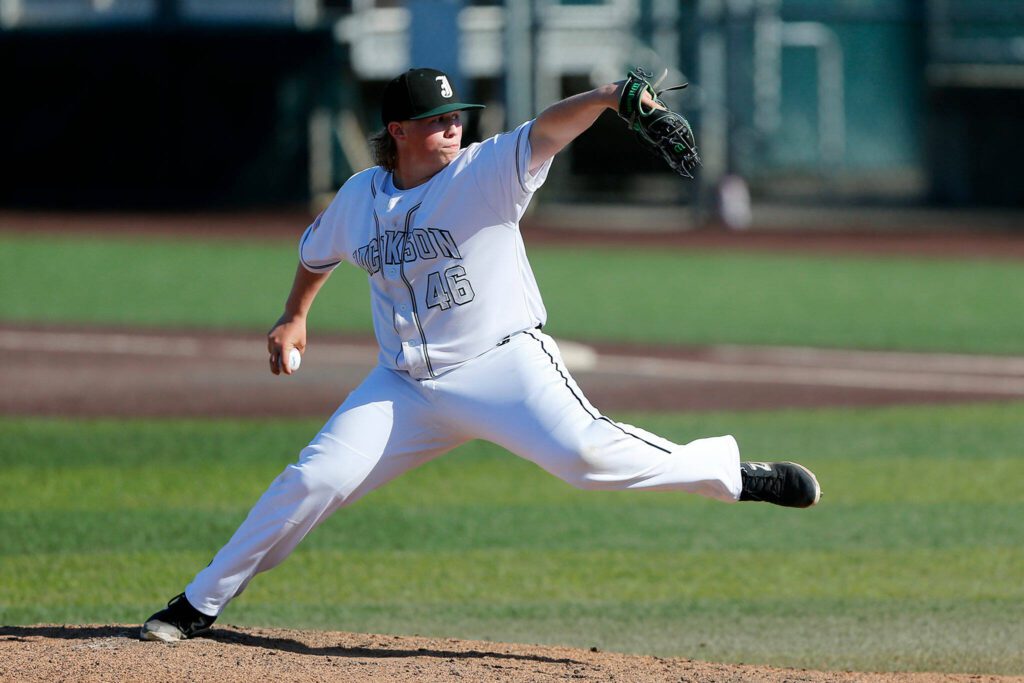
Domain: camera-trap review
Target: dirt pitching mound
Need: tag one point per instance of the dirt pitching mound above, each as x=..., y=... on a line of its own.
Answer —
x=228, y=654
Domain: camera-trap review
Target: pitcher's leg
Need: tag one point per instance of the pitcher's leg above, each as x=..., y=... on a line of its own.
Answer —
x=524, y=399
x=612, y=455
x=382, y=430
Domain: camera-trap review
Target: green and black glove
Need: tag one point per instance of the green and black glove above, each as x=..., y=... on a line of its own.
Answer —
x=665, y=133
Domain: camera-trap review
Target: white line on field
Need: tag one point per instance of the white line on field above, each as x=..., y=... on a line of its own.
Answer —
x=888, y=380
x=81, y=342
x=875, y=360
x=150, y=345
x=891, y=371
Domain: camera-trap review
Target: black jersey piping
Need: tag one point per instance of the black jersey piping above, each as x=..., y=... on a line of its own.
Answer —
x=519, y=173
x=380, y=252
x=380, y=246
x=376, y=229
x=579, y=400
x=412, y=292
x=310, y=266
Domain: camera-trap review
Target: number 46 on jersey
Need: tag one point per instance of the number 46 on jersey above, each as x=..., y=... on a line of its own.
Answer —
x=452, y=287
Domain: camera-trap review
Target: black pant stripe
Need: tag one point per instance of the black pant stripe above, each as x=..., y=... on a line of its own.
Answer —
x=584, y=405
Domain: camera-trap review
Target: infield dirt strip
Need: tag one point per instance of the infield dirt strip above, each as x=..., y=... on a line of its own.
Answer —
x=129, y=372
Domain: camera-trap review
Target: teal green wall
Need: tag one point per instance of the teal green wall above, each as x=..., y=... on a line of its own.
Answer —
x=883, y=99
x=884, y=92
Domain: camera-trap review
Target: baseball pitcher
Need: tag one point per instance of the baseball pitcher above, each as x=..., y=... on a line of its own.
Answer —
x=459, y=321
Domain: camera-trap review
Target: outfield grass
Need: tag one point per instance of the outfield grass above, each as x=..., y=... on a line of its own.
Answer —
x=667, y=296
x=913, y=560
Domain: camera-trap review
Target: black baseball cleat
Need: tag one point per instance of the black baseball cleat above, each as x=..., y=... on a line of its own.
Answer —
x=178, y=622
x=782, y=483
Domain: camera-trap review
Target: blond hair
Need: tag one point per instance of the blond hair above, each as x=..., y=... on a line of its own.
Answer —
x=384, y=150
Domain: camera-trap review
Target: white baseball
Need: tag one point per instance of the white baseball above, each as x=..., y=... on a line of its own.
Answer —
x=294, y=359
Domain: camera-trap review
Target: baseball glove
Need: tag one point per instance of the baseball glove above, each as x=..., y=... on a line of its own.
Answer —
x=665, y=133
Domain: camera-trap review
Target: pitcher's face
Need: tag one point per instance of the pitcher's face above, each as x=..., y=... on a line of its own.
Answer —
x=433, y=141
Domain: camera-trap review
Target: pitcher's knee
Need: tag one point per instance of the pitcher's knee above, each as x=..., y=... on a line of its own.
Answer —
x=598, y=460
x=329, y=474
x=299, y=492
x=587, y=481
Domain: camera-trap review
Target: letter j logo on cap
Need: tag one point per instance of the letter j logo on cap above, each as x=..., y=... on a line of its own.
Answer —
x=446, y=88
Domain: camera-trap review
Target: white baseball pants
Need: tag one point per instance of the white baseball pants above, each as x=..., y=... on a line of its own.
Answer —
x=519, y=396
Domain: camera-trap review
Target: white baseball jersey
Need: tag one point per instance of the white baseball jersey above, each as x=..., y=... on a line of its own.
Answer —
x=449, y=277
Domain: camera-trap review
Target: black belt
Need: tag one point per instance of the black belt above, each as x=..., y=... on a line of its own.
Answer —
x=508, y=338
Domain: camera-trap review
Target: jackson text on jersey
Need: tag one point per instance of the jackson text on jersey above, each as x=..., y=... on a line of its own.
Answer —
x=398, y=246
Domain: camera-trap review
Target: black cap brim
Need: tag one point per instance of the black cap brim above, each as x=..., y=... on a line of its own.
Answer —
x=446, y=108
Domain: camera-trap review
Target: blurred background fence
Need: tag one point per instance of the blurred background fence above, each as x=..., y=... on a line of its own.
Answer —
x=229, y=103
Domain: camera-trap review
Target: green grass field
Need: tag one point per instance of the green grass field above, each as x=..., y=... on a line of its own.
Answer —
x=913, y=561
x=669, y=297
